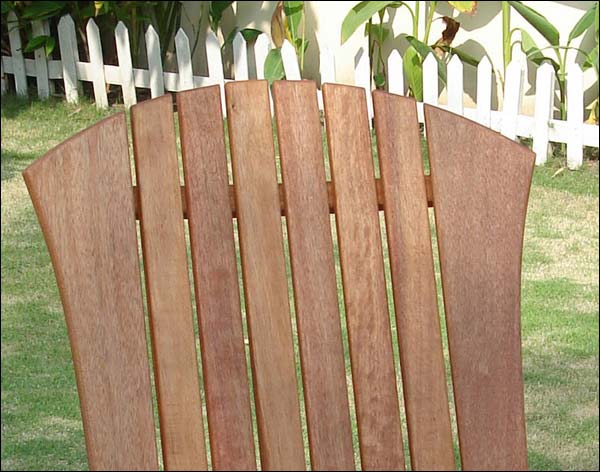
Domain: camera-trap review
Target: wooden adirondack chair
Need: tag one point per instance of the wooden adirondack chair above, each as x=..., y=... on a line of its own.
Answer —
x=479, y=186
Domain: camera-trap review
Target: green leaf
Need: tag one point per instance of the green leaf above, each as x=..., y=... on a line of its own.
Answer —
x=274, y=66
x=359, y=14
x=584, y=23
x=533, y=53
x=6, y=7
x=293, y=13
x=50, y=45
x=377, y=30
x=423, y=50
x=465, y=7
x=36, y=43
x=464, y=57
x=379, y=80
x=216, y=13
x=250, y=34
x=591, y=60
x=538, y=21
x=413, y=70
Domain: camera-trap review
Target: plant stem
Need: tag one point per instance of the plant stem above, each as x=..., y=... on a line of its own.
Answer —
x=506, y=34
x=429, y=21
x=302, y=42
x=416, y=19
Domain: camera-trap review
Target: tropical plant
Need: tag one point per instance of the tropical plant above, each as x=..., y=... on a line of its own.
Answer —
x=288, y=22
x=418, y=49
x=588, y=21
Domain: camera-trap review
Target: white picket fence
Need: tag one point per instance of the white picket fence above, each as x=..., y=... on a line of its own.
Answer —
x=541, y=127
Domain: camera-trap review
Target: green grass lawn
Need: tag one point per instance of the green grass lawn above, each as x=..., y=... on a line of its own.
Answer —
x=41, y=422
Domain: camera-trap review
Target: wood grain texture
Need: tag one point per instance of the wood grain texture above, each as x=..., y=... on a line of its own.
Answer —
x=216, y=279
x=81, y=191
x=313, y=275
x=168, y=286
x=263, y=270
x=361, y=257
x=481, y=186
x=413, y=277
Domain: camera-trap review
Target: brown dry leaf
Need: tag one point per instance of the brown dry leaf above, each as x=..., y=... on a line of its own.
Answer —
x=448, y=35
x=277, y=26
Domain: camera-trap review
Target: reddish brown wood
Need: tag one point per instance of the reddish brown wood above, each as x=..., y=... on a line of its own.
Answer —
x=263, y=270
x=415, y=295
x=216, y=279
x=361, y=257
x=313, y=269
x=168, y=286
x=481, y=186
x=81, y=194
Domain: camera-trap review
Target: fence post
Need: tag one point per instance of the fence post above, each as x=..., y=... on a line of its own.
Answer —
x=96, y=63
x=184, y=61
x=455, y=85
x=574, y=115
x=125, y=66
x=41, y=64
x=69, y=55
x=290, y=61
x=544, y=103
x=484, y=92
x=157, y=79
x=362, y=77
x=240, y=57
x=395, y=73
x=430, y=80
x=16, y=50
x=513, y=84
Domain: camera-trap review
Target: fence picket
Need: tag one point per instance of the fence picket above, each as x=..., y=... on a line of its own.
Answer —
x=262, y=46
x=513, y=84
x=41, y=63
x=290, y=61
x=484, y=92
x=16, y=49
x=574, y=115
x=544, y=103
x=157, y=80
x=240, y=57
x=2, y=78
x=184, y=61
x=125, y=66
x=395, y=73
x=455, y=85
x=69, y=55
x=362, y=77
x=430, y=80
x=97, y=64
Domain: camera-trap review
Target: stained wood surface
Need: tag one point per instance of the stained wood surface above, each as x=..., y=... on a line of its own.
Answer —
x=167, y=285
x=263, y=270
x=313, y=275
x=361, y=257
x=413, y=277
x=216, y=279
x=480, y=188
x=81, y=191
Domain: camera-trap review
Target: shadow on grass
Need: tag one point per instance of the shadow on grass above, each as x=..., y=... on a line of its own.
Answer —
x=14, y=163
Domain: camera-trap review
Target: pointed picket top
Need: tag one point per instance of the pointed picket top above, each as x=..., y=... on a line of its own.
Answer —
x=327, y=65
x=184, y=61
x=455, y=85
x=240, y=57
x=574, y=115
x=544, y=104
x=97, y=63
x=395, y=73
x=362, y=76
x=262, y=46
x=430, y=80
x=290, y=61
x=513, y=84
x=125, y=64
x=69, y=55
x=155, y=68
x=484, y=92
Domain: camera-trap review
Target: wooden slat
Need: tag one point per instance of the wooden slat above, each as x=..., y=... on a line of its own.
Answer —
x=480, y=187
x=216, y=279
x=415, y=295
x=167, y=285
x=313, y=270
x=263, y=269
x=361, y=257
x=330, y=198
x=81, y=194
